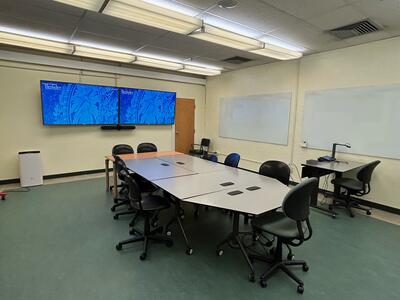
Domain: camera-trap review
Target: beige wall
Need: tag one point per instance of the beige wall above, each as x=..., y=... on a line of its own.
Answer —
x=67, y=148
x=375, y=63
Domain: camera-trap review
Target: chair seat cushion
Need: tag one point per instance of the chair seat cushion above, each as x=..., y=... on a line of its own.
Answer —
x=348, y=183
x=276, y=223
x=152, y=203
x=196, y=151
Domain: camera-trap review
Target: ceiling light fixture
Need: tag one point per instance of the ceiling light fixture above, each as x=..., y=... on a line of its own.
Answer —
x=94, y=5
x=200, y=70
x=103, y=54
x=228, y=3
x=157, y=63
x=277, y=52
x=152, y=15
x=35, y=43
x=227, y=38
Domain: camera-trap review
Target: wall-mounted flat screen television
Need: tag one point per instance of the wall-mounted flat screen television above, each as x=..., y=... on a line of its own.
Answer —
x=146, y=107
x=78, y=104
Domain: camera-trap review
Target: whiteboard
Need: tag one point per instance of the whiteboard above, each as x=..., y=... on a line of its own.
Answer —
x=366, y=117
x=260, y=118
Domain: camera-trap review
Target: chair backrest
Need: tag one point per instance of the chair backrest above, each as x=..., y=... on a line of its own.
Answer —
x=232, y=160
x=212, y=157
x=146, y=147
x=296, y=204
x=134, y=193
x=122, y=149
x=276, y=169
x=122, y=170
x=365, y=172
x=205, y=143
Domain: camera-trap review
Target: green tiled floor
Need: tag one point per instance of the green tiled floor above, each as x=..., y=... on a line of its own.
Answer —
x=57, y=242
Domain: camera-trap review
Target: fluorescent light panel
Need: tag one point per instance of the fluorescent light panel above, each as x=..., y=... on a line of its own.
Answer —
x=103, y=54
x=227, y=38
x=157, y=63
x=34, y=43
x=200, y=70
x=277, y=52
x=94, y=5
x=152, y=15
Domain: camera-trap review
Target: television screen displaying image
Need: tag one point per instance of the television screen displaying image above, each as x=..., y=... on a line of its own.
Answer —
x=146, y=107
x=78, y=104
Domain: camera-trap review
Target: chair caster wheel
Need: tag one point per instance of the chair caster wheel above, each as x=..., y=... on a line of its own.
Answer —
x=168, y=233
x=115, y=217
x=300, y=289
x=143, y=256
x=290, y=256
x=189, y=251
x=368, y=212
x=263, y=283
x=220, y=252
x=118, y=247
x=252, y=277
x=334, y=216
x=305, y=268
x=112, y=208
x=169, y=244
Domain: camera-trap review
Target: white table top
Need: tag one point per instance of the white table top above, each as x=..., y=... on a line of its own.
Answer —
x=194, y=164
x=268, y=197
x=204, y=183
x=154, y=169
x=335, y=166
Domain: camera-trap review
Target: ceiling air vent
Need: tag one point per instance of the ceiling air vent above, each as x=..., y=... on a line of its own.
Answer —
x=356, y=29
x=237, y=60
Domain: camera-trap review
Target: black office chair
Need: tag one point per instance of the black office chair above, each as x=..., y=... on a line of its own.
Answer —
x=276, y=169
x=200, y=149
x=291, y=227
x=122, y=149
x=232, y=160
x=147, y=205
x=146, y=147
x=358, y=186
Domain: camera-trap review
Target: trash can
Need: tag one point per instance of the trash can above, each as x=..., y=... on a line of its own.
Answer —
x=30, y=168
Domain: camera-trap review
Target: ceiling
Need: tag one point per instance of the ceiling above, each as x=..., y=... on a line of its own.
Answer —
x=297, y=24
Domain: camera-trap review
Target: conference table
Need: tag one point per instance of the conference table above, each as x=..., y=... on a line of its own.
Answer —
x=190, y=179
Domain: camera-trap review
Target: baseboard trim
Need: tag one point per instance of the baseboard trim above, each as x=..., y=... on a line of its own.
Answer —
x=55, y=176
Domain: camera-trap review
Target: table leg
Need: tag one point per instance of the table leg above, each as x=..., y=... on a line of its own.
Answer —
x=115, y=179
x=107, y=163
x=235, y=237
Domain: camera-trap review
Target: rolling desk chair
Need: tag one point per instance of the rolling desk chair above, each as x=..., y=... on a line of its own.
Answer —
x=232, y=160
x=146, y=147
x=212, y=157
x=200, y=150
x=291, y=227
x=358, y=186
x=147, y=205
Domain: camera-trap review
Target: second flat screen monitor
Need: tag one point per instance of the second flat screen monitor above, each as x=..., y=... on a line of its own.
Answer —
x=146, y=107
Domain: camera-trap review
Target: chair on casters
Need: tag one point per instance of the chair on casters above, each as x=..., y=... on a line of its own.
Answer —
x=146, y=147
x=232, y=160
x=290, y=227
x=211, y=157
x=147, y=205
x=200, y=149
x=358, y=186
x=274, y=169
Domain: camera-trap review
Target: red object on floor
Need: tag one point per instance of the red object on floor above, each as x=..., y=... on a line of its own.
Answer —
x=3, y=195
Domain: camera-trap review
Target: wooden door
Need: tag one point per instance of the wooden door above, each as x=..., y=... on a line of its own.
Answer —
x=184, y=125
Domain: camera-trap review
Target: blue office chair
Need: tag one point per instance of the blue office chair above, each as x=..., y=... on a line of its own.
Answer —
x=232, y=160
x=212, y=157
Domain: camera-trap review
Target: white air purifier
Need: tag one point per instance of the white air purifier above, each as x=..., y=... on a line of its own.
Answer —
x=30, y=168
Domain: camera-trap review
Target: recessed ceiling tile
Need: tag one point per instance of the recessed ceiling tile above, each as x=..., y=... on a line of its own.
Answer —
x=255, y=14
x=305, y=8
x=161, y=53
x=176, y=6
x=201, y=4
x=339, y=17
